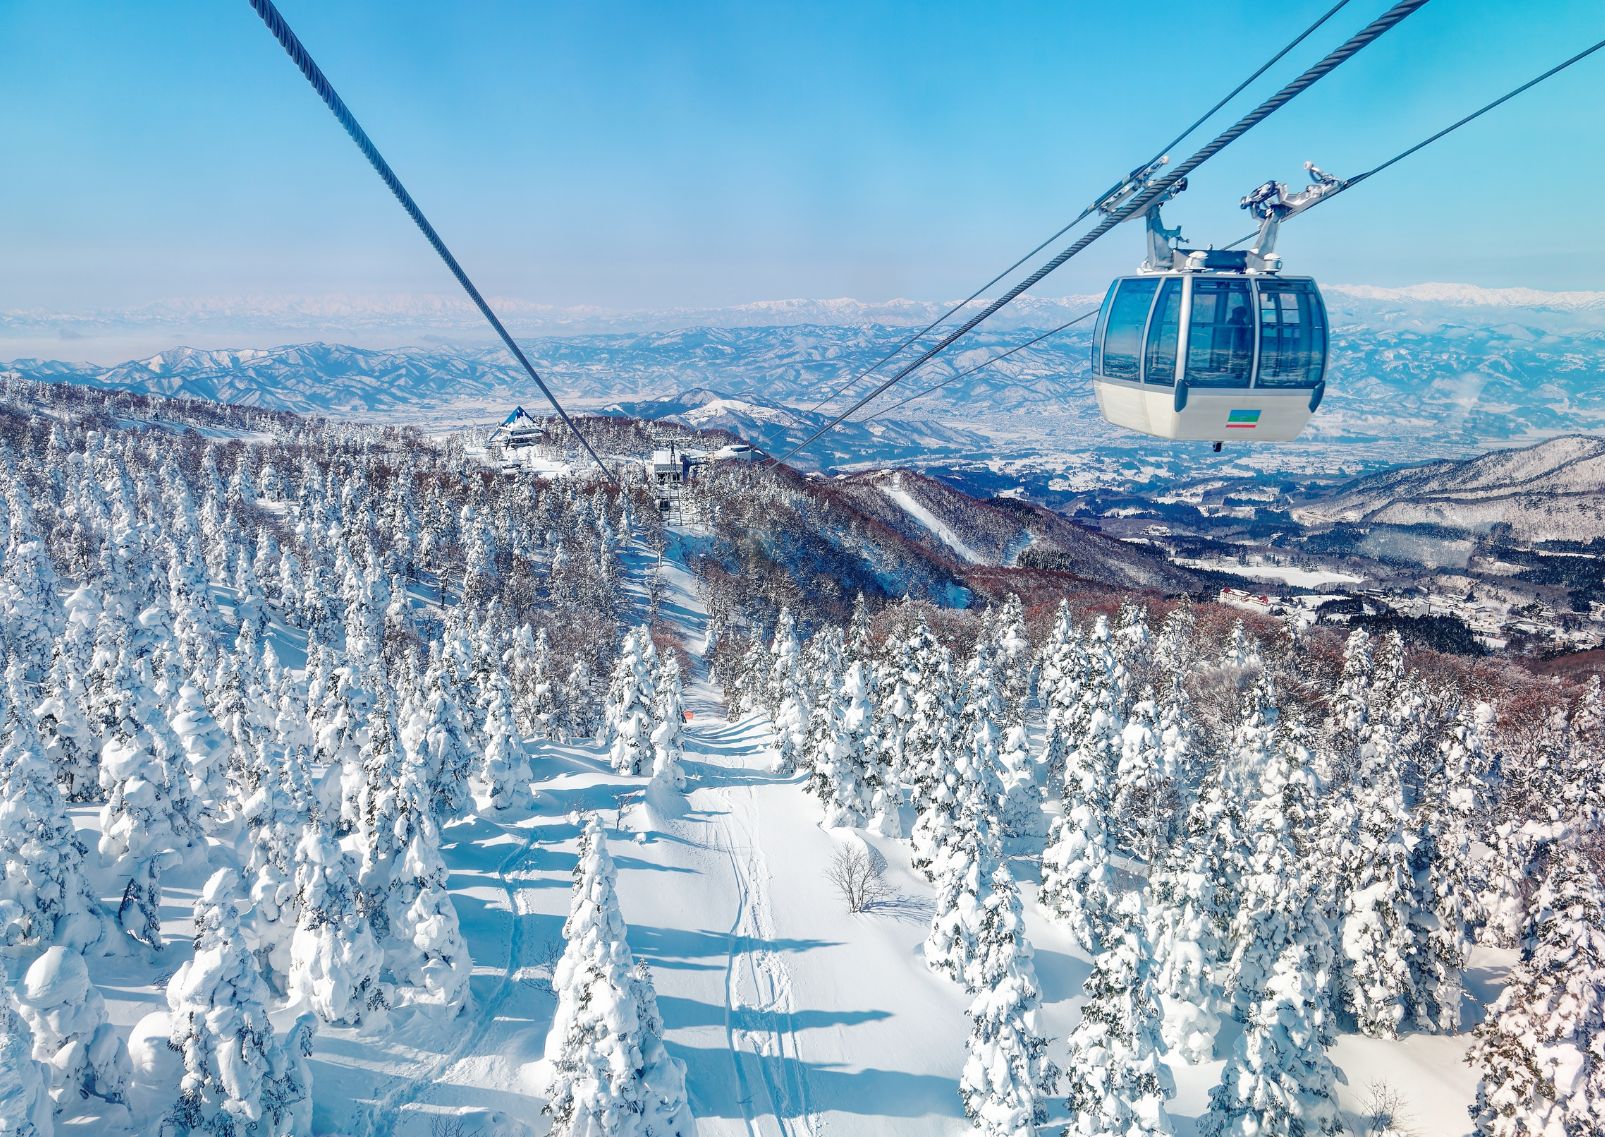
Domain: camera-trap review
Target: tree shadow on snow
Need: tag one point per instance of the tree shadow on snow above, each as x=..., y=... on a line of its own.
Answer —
x=868, y=1092
x=678, y=1012
x=665, y=946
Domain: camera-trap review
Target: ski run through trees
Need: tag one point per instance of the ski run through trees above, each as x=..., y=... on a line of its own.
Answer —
x=351, y=786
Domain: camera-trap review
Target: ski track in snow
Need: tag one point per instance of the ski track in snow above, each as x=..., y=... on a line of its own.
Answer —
x=938, y=528
x=752, y=967
x=379, y=1120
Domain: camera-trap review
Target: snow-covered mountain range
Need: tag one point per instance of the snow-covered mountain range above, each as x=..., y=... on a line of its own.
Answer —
x=1424, y=372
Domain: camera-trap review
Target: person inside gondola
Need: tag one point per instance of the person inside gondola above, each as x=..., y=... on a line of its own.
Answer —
x=1239, y=340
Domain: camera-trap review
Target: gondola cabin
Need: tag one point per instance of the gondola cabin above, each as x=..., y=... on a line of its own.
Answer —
x=1211, y=356
x=1214, y=345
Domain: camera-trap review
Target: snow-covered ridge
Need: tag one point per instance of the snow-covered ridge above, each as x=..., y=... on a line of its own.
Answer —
x=1554, y=490
x=1473, y=296
x=446, y=312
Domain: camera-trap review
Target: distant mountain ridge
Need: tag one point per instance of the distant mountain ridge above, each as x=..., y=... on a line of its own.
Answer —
x=1552, y=491
x=416, y=315
x=1429, y=371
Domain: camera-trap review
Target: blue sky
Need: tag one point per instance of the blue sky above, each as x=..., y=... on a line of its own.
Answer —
x=648, y=154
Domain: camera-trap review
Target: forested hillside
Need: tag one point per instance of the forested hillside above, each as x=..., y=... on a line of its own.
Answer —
x=349, y=785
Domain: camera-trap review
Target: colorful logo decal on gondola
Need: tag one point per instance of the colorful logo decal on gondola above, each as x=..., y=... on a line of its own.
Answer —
x=1242, y=420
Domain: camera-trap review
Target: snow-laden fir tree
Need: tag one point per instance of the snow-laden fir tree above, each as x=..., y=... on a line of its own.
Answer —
x=895, y=682
x=26, y=1109
x=404, y=884
x=1444, y=872
x=205, y=748
x=1197, y=892
x=1138, y=801
x=70, y=743
x=1188, y=949
x=148, y=819
x=786, y=697
x=966, y=861
x=1007, y=1076
x=924, y=685
x=501, y=778
x=841, y=751
x=785, y=659
x=629, y=711
x=1349, y=711
x=1541, y=1049
x=971, y=782
x=608, y=1072
x=334, y=957
x=45, y=895
x=1020, y=814
x=1010, y=654
x=1064, y=677
x=273, y=817
x=536, y=698
x=668, y=715
x=431, y=963
x=1278, y=1080
x=1077, y=885
x=1118, y=1081
x=861, y=691
x=83, y=1052
x=234, y=1068
x=1241, y=652
x=437, y=742
x=1280, y=816
x=1377, y=887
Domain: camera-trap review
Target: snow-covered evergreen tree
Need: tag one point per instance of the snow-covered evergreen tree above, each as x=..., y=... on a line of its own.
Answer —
x=1065, y=674
x=502, y=777
x=1118, y=1082
x=786, y=697
x=273, y=817
x=1278, y=1080
x=842, y=756
x=1010, y=653
x=26, y=1109
x=966, y=862
x=71, y=745
x=430, y=959
x=1197, y=892
x=629, y=711
x=608, y=1072
x=334, y=958
x=1541, y=1049
x=437, y=741
x=1444, y=874
x=232, y=1081
x=1020, y=813
x=1279, y=819
x=1377, y=887
x=668, y=720
x=84, y=1053
x=1138, y=801
x=45, y=896
x=205, y=749
x=147, y=820
x=1007, y=1076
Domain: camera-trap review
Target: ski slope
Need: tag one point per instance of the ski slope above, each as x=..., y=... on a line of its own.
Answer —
x=794, y=1018
x=938, y=528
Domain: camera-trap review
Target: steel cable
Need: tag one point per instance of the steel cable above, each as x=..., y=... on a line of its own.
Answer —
x=320, y=83
x=1155, y=191
x=1083, y=215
